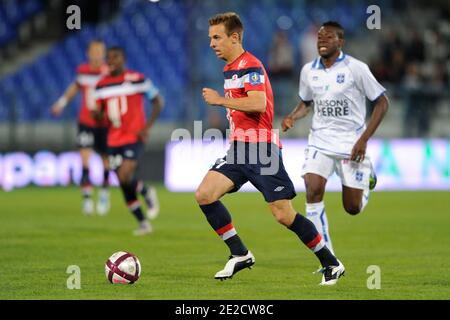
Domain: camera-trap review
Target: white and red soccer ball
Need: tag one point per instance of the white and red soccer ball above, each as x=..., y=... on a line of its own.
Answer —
x=123, y=267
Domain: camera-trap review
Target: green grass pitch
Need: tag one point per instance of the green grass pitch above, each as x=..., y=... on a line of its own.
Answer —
x=42, y=232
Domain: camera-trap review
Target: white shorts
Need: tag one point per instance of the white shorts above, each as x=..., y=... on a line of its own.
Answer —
x=353, y=174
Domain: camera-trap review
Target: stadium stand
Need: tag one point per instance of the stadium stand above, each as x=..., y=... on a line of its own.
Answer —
x=168, y=42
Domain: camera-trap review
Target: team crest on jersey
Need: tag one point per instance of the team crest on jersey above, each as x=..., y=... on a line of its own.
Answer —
x=340, y=78
x=255, y=78
x=234, y=77
x=359, y=176
x=242, y=64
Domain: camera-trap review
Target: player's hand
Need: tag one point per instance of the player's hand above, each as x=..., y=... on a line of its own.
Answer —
x=56, y=110
x=144, y=135
x=211, y=97
x=287, y=123
x=359, y=150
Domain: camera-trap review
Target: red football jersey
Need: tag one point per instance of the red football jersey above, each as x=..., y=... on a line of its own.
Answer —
x=246, y=74
x=122, y=99
x=87, y=79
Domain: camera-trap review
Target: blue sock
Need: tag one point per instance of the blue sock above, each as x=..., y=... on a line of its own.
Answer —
x=309, y=235
x=220, y=220
x=130, y=195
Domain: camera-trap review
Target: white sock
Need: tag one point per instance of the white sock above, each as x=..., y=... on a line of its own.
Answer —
x=315, y=212
x=365, y=199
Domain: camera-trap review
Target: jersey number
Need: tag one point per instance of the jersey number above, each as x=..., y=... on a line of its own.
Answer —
x=116, y=108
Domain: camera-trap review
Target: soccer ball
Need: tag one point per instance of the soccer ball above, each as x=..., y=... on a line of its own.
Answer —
x=123, y=267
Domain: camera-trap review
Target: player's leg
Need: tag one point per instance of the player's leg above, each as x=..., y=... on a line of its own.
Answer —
x=278, y=190
x=85, y=183
x=85, y=143
x=286, y=215
x=150, y=197
x=125, y=174
x=352, y=200
x=126, y=163
x=315, y=206
x=355, y=179
x=210, y=190
x=223, y=178
x=103, y=203
x=148, y=192
x=305, y=230
x=317, y=168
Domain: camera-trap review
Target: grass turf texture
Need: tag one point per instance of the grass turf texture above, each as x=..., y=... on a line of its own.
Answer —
x=42, y=232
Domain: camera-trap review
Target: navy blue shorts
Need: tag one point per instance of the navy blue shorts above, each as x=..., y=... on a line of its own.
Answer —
x=259, y=163
x=128, y=151
x=92, y=138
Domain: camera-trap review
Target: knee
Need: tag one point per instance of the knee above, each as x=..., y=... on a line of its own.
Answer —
x=353, y=209
x=282, y=215
x=314, y=194
x=124, y=179
x=203, y=197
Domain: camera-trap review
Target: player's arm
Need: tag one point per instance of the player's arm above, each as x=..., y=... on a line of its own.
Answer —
x=374, y=91
x=379, y=110
x=299, y=112
x=98, y=112
x=68, y=95
x=304, y=106
x=254, y=102
x=157, y=105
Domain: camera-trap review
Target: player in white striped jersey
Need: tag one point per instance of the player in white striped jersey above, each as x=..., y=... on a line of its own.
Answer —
x=336, y=85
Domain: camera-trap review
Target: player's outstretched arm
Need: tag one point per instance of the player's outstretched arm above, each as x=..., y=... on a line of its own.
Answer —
x=68, y=95
x=300, y=111
x=157, y=106
x=254, y=102
x=379, y=111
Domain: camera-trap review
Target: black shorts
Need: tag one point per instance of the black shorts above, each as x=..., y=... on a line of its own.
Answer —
x=128, y=151
x=92, y=138
x=259, y=163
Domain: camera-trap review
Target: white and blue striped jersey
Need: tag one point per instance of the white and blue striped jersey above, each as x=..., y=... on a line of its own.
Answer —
x=339, y=94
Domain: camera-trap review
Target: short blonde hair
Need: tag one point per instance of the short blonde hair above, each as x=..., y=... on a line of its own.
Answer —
x=231, y=21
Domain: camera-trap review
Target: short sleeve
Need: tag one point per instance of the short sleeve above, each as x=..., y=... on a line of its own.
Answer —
x=304, y=90
x=367, y=82
x=254, y=79
x=151, y=91
x=80, y=75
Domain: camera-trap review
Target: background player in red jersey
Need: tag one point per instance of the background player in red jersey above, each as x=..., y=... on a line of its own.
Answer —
x=91, y=132
x=120, y=95
x=249, y=102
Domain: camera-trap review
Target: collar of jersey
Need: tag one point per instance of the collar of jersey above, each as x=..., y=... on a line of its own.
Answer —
x=237, y=59
x=319, y=65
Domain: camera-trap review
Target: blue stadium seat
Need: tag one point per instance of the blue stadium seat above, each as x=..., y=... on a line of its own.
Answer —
x=155, y=38
x=12, y=14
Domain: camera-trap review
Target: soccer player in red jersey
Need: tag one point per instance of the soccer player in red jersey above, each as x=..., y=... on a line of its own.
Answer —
x=249, y=103
x=91, y=132
x=120, y=96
